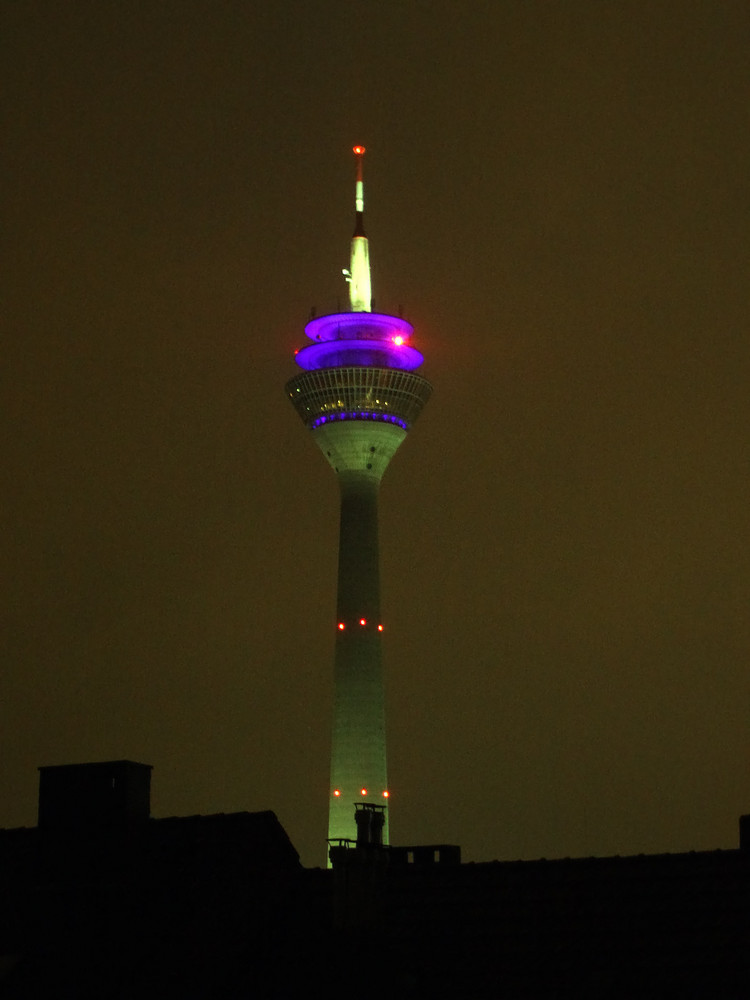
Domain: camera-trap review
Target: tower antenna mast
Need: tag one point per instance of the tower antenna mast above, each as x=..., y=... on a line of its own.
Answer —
x=360, y=288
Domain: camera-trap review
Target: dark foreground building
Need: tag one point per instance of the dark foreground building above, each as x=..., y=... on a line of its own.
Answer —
x=101, y=901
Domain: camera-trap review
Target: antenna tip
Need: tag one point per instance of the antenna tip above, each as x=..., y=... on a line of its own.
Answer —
x=359, y=150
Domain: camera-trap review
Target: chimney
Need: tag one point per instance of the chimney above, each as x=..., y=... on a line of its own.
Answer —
x=745, y=833
x=115, y=795
x=370, y=820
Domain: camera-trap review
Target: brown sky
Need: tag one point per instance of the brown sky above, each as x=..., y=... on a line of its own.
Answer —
x=557, y=193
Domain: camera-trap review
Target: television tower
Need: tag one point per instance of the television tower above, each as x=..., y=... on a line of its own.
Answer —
x=358, y=394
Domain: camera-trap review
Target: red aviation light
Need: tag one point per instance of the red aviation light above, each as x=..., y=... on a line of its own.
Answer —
x=362, y=621
x=363, y=791
x=336, y=793
x=358, y=150
x=380, y=628
x=386, y=794
x=341, y=626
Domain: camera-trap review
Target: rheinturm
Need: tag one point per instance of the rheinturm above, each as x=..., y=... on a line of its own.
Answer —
x=359, y=394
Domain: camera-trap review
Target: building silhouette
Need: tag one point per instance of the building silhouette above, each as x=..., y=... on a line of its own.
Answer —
x=358, y=394
x=101, y=901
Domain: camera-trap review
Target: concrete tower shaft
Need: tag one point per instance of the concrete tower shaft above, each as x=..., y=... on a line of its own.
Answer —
x=358, y=444
x=358, y=752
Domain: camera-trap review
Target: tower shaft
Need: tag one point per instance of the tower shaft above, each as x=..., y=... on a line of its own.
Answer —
x=359, y=564
x=358, y=758
x=359, y=452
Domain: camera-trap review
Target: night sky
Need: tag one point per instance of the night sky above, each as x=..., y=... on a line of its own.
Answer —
x=557, y=195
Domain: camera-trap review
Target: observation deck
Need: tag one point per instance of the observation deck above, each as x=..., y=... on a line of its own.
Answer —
x=328, y=395
x=359, y=366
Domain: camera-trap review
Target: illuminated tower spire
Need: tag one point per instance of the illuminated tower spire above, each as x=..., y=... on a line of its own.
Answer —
x=360, y=291
x=359, y=394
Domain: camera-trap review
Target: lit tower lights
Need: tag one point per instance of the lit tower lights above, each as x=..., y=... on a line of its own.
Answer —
x=358, y=394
